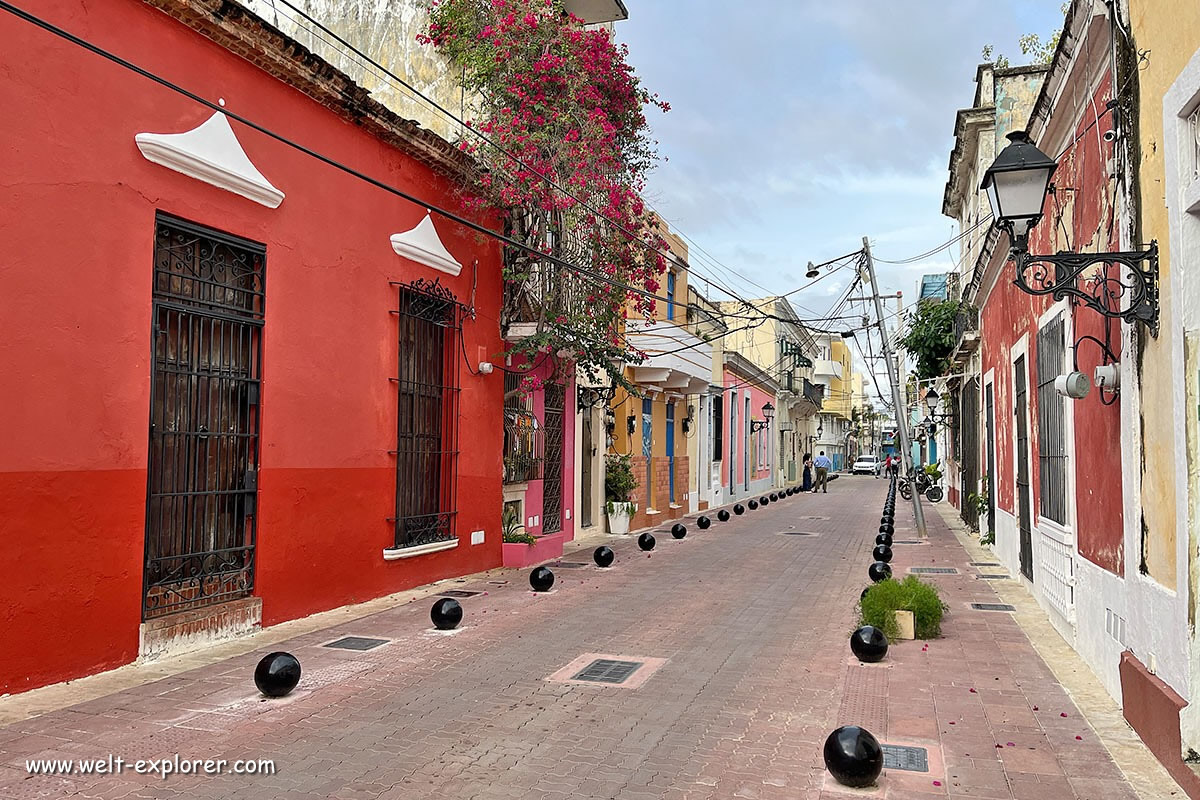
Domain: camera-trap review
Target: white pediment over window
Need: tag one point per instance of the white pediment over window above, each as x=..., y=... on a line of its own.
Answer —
x=423, y=245
x=213, y=154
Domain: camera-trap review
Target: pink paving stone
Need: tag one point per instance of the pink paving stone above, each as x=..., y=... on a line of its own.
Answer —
x=749, y=629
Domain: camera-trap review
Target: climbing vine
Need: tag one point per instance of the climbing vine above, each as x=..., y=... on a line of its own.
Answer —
x=566, y=110
x=930, y=336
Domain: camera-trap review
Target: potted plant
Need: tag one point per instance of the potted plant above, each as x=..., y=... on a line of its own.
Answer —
x=618, y=483
x=513, y=530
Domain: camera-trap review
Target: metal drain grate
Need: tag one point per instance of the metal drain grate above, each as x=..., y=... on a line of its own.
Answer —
x=992, y=577
x=911, y=759
x=993, y=607
x=604, y=670
x=568, y=565
x=986, y=564
x=458, y=593
x=933, y=570
x=357, y=643
x=908, y=541
x=799, y=533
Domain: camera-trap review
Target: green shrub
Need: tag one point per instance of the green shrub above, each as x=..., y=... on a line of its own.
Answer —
x=619, y=480
x=912, y=594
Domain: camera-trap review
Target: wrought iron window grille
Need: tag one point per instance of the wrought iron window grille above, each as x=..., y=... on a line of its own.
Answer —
x=427, y=418
x=202, y=477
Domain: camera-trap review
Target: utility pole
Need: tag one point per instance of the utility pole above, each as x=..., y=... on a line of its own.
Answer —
x=897, y=398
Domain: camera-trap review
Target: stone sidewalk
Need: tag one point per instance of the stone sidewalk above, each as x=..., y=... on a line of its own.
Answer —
x=742, y=630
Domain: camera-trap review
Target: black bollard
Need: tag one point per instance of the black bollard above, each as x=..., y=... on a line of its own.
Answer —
x=277, y=674
x=868, y=644
x=603, y=556
x=739, y=509
x=882, y=552
x=879, y=571
x=446, y=614
x=646, y=541
x=723, y=515
x=703, y=523
x=541, y=579
x=853, y=756
x=678, y=531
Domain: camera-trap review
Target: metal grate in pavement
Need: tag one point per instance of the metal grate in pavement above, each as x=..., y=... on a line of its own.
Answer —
x=908, y=541
x=800, y=533
x=458, y=593
x=992, y=577
x=986, y=564
x=993, y=607
x=568, y=565
x=604, y=670
x=356, y=643
x=911, y=759
x=811, y=516
x=933, y=570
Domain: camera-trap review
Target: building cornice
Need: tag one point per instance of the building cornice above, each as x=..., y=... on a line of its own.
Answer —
x=249, y=36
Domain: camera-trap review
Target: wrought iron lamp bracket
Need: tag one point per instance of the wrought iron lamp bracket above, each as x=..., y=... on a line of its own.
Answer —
x=757, y=425
x=1088, y=278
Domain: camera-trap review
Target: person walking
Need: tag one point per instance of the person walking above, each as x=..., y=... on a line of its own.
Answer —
x=822, y=464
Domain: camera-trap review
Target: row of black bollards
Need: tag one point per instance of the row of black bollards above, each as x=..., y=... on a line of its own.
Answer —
x=853, y=755
x=277, y=674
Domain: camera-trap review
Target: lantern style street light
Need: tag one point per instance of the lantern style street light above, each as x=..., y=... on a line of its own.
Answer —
x=1116, y=285
x=768, y=412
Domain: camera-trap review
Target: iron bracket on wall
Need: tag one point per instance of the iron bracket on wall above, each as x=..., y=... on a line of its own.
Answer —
x=1066, y=274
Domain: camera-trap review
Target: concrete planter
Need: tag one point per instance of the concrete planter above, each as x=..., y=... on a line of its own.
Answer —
x=619, y=517
x=516, y=554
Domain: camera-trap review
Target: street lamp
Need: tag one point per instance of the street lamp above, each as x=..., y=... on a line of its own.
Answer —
x=768, y=412
x=1016, y=184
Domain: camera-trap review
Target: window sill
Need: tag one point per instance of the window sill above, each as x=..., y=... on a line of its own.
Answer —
x=397, y=553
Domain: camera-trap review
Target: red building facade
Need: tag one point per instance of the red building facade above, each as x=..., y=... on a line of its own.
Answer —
x=237, y=377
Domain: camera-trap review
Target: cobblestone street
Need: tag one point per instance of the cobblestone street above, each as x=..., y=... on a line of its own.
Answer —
x=750, y=622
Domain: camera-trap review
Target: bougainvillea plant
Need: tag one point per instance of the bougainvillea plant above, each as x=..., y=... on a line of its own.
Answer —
x=566, y=166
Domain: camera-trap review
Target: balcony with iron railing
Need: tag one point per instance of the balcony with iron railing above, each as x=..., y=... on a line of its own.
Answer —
x=966, y=333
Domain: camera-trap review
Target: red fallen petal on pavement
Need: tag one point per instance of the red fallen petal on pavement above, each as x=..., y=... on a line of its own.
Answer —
x=1035, y=708
x=1062, y=713
x=951, y=722
x=1079, y=738
x=1000, y=746
x=974, y=692
x=1010, y=744
x=937, y=783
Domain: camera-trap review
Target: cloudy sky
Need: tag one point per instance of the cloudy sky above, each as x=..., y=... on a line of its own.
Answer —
x=799, y=126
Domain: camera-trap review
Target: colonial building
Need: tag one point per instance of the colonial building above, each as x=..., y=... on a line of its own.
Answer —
x=1089, y=497
x=243, y=385
x=655, y=424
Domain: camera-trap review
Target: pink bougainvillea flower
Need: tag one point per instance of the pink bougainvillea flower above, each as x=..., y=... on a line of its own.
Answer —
x=1062, y=714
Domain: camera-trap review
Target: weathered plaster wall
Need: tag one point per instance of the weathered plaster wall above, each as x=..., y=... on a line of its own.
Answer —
x=1168, y=83
x=385, y=30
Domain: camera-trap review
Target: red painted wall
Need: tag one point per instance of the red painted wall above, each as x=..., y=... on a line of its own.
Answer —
x=1009, y=313
x=78, y=243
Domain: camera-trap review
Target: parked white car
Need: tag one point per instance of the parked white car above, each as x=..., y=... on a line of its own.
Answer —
x=866, y=465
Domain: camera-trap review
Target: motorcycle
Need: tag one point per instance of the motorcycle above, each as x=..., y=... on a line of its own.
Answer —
x=925, y=485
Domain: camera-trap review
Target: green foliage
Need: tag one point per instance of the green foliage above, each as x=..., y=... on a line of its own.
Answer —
x=934, y=471
x=512, y=529
x=912, y=594
x=980, y=501
x=619, y=480
x=930, y=336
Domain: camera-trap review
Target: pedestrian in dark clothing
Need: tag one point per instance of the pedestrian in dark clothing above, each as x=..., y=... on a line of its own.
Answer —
x=806, y=485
